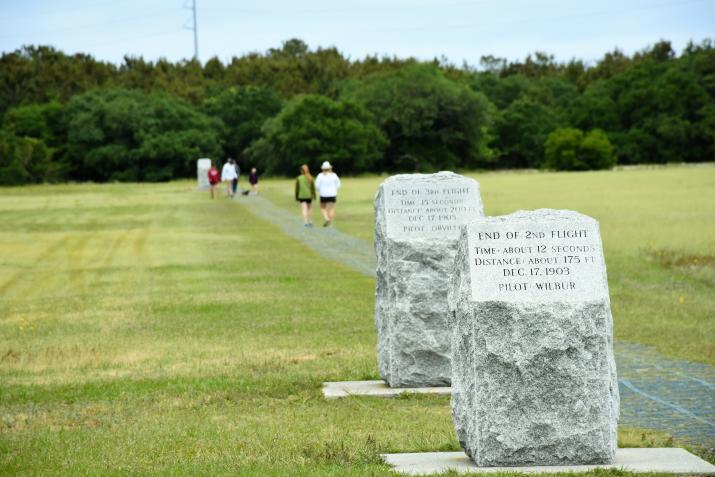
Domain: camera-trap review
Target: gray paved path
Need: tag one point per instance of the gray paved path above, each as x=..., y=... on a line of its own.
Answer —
x=328, y=242
x=656, y=392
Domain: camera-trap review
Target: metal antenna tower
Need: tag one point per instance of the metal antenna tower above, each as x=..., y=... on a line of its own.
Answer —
x=194, y=28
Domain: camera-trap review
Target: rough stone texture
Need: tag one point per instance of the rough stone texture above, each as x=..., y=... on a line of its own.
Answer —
x=202, y=171
x=413, y=269
x=534, y=381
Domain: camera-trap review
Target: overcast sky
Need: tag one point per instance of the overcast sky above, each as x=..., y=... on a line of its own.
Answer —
x=461, y=30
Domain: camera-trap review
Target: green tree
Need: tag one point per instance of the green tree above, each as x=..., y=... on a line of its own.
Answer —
x=41, y=121
x=312, y=129
x=520, y=131
x=612, y=64
x=500, y=91
x=243, y=111
x=706, y=130
x=44, y=122
x=133, y=136
x=562, y=149
x=184, y=79
x=430, y=121
x=23, y=160
x=595, y=108
x=568, y=149
x=38, y=74
x=654, y=106
x=553, y=92
x=291, y=70
x=597, y=151
x=539, y=65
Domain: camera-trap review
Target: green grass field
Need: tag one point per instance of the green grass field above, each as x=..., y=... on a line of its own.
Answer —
x=147, y=330
x=658, y=229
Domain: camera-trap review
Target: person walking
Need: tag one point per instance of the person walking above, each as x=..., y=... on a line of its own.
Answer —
x=228, y=174
x=327, y=183
x=214, y=179
x=305, y=193
x=234, y=183
x=253, y=180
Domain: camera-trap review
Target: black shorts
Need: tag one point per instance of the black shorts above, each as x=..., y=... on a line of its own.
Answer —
x=325, y=200
x=307, y=201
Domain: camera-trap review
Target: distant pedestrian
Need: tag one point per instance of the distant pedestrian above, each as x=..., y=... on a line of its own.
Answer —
x=253, y=180
x=214, y=179
x=305, y=193
x=228, y=174
x=327, y=183
x=238, y=174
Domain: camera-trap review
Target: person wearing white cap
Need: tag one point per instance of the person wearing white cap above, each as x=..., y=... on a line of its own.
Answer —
x=228, y=174
x=327, y=184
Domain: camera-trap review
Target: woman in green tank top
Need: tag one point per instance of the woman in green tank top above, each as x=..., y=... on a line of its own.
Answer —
x=305, y=193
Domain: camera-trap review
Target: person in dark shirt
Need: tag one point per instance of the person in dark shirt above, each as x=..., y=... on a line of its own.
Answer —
x=253, y=179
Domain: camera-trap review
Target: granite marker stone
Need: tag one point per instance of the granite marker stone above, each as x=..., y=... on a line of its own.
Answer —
x=202, y=173
x=534, y=377
x=418, y=218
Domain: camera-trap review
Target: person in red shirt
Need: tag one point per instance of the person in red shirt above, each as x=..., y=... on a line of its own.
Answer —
x=214, y=179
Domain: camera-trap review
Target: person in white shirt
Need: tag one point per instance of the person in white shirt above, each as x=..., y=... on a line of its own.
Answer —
x=228, y=174
x=327, y=183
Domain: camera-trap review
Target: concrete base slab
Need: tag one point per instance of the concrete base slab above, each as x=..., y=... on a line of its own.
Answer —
x=670, y=460
x=373, y=388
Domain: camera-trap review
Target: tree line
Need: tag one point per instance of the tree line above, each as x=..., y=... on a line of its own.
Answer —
x=71, y=117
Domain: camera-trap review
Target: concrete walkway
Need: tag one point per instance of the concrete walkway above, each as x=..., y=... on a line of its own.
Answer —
x=664, y=394
x=328, y=242
x=658, y=393
x=643, y=460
